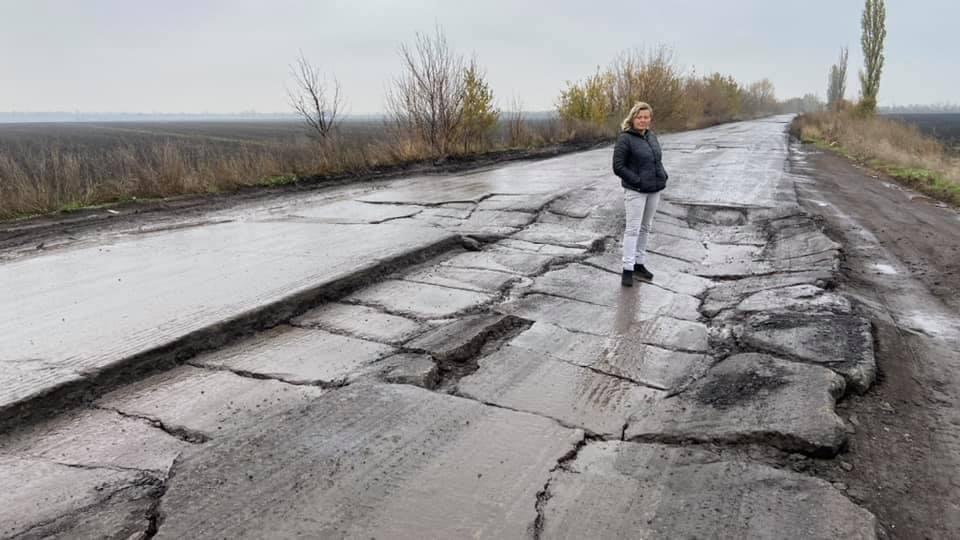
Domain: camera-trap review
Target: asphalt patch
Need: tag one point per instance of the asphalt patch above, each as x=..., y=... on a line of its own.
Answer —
x=729, y=390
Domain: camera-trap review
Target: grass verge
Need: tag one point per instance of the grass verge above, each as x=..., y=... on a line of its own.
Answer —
x=885, y=146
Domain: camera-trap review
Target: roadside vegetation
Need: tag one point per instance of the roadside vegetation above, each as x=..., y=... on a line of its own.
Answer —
x=896, y=149
x=598, y=102
x=439, y=107
x=885, y=145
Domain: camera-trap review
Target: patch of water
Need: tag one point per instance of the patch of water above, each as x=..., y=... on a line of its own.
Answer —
x=933, y=324
x=884, y=268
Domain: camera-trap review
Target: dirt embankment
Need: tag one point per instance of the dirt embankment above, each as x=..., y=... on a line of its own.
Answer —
x=902, y=262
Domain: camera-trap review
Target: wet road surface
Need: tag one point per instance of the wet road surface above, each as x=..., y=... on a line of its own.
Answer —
x=443, y=357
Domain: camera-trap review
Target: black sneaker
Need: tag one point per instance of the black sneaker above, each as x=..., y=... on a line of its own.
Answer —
x=642, y=272
x=627, y=279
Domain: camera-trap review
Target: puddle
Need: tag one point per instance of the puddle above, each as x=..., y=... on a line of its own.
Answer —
x=884, y=268
x=933, y=324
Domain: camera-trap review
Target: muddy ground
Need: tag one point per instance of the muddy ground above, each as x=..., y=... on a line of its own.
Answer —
x=902, y=261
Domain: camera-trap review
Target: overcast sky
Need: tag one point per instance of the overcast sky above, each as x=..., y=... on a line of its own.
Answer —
x=231, y=56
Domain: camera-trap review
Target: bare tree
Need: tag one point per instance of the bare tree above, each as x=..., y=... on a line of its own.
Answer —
x=874, y=30
x=426, y=100
x=760, y=97
x=317, y=101
x=837, y=87
x=650, y=75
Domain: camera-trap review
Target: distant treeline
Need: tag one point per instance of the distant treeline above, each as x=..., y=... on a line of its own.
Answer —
x=679, y=100
x=939, y=108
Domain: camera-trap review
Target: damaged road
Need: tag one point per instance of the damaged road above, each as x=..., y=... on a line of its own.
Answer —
x=445, y=357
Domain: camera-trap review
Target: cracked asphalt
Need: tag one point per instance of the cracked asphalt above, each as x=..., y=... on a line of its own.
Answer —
x=442, y=357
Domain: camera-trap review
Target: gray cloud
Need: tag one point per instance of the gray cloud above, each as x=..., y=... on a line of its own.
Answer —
x=220, y=56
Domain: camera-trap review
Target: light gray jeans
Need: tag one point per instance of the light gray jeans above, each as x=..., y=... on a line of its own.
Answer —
x=640, y=208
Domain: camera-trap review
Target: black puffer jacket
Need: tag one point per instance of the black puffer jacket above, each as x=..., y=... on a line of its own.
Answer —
x=637, y=161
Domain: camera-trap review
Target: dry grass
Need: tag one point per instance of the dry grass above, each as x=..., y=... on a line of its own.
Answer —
x=888, y=146
x=48, y=174
x=41, y=179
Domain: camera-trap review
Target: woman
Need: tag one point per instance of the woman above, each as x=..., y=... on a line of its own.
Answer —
x=636, y=160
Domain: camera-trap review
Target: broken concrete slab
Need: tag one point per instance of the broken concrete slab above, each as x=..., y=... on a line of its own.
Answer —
x=408, y=368
x=600, y=225
x=670, y=228
x=473, y=279
x=514, y=262
x=612, y=260
x=751, y=398
x=456, y=211
x=443, y=222
x=673, y=209
x=559, y=235
x=750, y=234
x=198, y=404
x=730, y=254
x=297, y=356
x=384, y=461
x=843, y=343
x=441, y=191
x=670, y=333
x=723, y=215
x=587, y=201
x=727, y=294
x=543, y=249
x=353, y=212
x=360, y=321
x=51, y=500
x=828, y=261
x=577, y=316
x=173, y=288
x=419, y=300
x=669, y=220
x=735, y=269
x=627, y=490
x=802, y=244
x=625, y=356
x=786, y=222
x=569, y=314
x=668, y=273
x=463, y=338
x=665, y=262
x=530, y=204
x=525, y=380
x=795, y=298
x=497, y=221
x=592, y=285
x=776, y=217
x=651, y=365
x=743, y=266
x=574, y=347
x=692, y=251
x=96, y=438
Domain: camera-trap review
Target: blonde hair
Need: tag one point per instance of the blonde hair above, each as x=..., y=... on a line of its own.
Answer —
x=634, y=111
